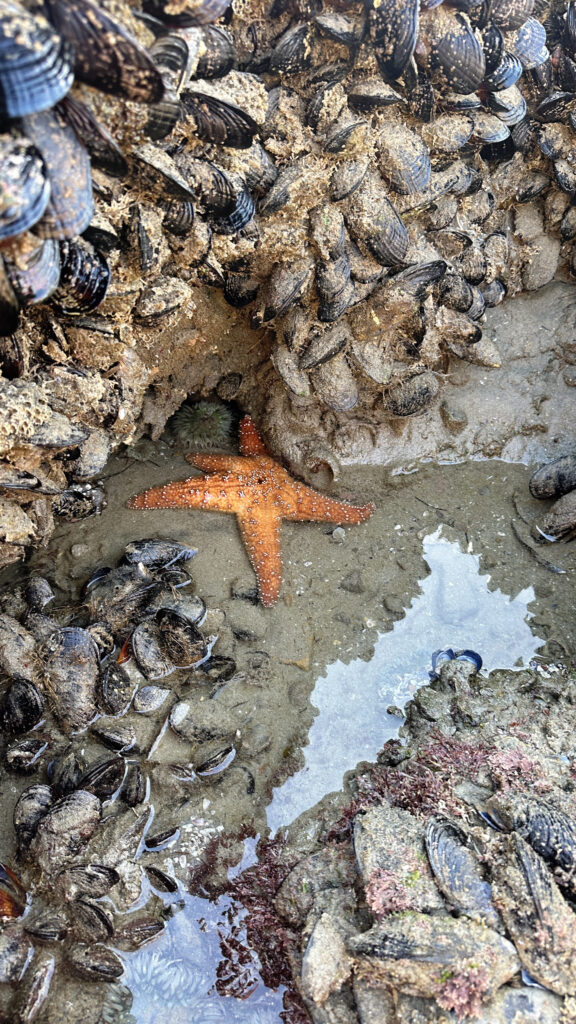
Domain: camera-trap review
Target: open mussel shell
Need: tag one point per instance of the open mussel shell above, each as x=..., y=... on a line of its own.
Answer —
x=25, y=186
x=35, y=63
x=71, y=203
x=35, y=275
x=84, y=278
x=106, y=56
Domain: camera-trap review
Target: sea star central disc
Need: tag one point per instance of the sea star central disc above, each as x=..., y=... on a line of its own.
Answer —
x=261, y=494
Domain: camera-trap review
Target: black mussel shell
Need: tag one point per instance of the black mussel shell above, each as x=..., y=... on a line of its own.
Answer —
x=35, y=275
x=220, y=55
x=103, y=777
x=84, y=278
x=95, y=962
x=394, y=31
x=162, y=839
x=48, y=926
x=160, y=880
x=9, y=314
x=217, y=669
x=91, y=922
x=505, y=74
x=237, y=218
x=35, y=63
x=71, y=205
x=493, y=46
x=133, y=791
x=293, y=51
x=65, y=773
x=103, y=149
x=216, y=763
x=163, y=116
x=107, y=57
x=38, y=593
x=171, y=53
x=179, y=218
x=472, y=656
x=116, y=689
x=458, y=56
x=218, y=121
x=240, y=290
x=94, y=880
x=25, y=186
x=22, y=707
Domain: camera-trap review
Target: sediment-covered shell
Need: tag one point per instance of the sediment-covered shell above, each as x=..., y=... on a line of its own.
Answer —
x=71, y=671
x=549, y=831
x=560, y=520
x=32, y=805
x=554, y=479
x=65, y=829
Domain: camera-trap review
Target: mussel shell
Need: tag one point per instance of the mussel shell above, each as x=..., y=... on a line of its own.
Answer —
x=151, y=658
x=133, y=791
x=71, y=205
x=66, y=771
x=216, y=763
x=9, y=315
x=103, y=777
x=172, y=54
x=335, y=384
x=237, y=218
x=71, y=670
x=555, y=478
x=179, y=218
x=374, y=222
x=95, y=962
x=160, y=879
x=218, y=121
x=219, y=55
x=286, y=285
x=509, y=14
x=528, y=43
x=324, y=346
x=65, y=829
x=22, y=707
x=103, y=149
x=32, y=805
x=163, y=116
x=91, y=922
x=157, y=553
x=346, y=177
x=413, y=396
x=47, y=926
x=23, y=757
x=493, y=46
x=181, y=640
x=36, y=274
x=84, y=278
x=456, y=52
x=93, y=880
x=293, y=51
x=25, y=186
x=508, y=104
x=240, y=290
x=372, y=94
x=393, y=26
x=149, y=699
x=457, y=872
x=106, y=56
x=404, y=160
x=505, y=74
x=35, y=63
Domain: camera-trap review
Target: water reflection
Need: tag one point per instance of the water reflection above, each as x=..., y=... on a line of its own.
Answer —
x=455, y=609
x=174, y=980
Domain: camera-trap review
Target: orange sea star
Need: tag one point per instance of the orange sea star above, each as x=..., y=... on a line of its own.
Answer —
x=260, y=493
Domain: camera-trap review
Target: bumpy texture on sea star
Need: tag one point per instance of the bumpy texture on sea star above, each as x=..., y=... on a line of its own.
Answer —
x=260, y=493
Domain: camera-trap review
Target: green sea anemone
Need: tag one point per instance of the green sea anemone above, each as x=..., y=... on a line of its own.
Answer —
x=204, y=424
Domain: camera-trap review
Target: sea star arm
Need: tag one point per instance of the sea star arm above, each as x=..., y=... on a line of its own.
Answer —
x=307, y=504
x=218, y=463
x=219, y=492
x=249, y=440
x=260, y=529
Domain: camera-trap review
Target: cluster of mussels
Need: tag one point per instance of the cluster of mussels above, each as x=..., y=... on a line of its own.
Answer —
x=451, y=891
x=98, y=836
x=361, y=179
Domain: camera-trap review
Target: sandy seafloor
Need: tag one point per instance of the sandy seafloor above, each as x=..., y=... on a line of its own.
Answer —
x=448, y=559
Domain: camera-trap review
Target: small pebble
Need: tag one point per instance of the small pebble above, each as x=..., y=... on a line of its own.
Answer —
x=338, y=535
